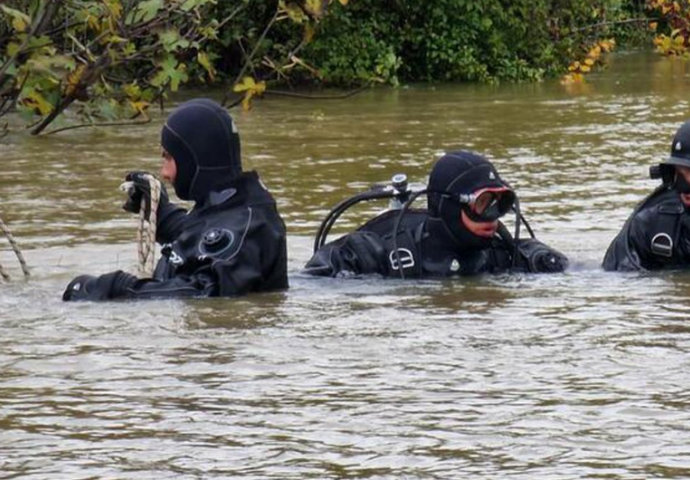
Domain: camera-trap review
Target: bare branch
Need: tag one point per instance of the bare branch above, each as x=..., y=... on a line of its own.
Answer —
x=616, y=22
x=105, y=124
x=253, y=52
x=349, y=94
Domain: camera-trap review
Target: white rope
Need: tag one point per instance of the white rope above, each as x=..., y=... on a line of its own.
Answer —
x=17, y=252
x=146, y=232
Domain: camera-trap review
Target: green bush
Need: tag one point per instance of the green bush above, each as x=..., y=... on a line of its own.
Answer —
x=459, y=40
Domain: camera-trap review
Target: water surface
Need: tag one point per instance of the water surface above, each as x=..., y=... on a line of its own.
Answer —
x=576, y=375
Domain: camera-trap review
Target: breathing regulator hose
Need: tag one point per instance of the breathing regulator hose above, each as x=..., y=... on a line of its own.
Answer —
x=329, y=221
x=146, y=231
x=20, y=257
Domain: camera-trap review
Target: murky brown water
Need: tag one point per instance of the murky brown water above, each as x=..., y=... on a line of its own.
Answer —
x=579, y=375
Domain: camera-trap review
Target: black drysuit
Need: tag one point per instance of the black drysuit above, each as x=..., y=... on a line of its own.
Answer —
x=232, y=244
x=656, y=236
x=427, y=249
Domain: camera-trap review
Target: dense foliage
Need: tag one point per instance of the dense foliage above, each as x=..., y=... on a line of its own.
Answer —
x=674, y=35
x=488, y=40
x=112, y=59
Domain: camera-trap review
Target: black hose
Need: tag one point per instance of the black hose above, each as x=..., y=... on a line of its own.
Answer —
x=396, y=226
x=338, y=210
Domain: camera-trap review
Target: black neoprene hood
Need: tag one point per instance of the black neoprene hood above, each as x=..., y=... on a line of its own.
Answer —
x=680, y=147
x=454, y=174
x=460, y=172
x=203, y=139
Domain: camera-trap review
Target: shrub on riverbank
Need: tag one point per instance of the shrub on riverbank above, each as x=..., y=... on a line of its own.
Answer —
x=109, y=59
x=462, y=40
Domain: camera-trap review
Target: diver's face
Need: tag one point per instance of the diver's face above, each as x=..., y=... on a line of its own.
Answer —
x=685, y=173
x=168, y=167
x=480, y=229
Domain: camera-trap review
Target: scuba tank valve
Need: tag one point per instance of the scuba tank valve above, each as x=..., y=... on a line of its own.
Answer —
x=400, y=191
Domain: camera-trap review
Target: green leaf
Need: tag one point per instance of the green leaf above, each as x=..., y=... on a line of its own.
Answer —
x=36, y=43
x=188, y=5
x=144, y=12
x=171, y=71
x=20, y=20
x=13, y=49
x=172, y=40
x=129, y=50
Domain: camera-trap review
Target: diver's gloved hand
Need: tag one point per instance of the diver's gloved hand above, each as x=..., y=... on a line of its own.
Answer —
x=546, y=261
x=105, y=287
x=79, y=288
x=141, y=190
x=540, y=258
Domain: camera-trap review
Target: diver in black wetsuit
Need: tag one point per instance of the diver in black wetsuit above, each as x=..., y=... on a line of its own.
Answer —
x=232, y=242
x=657, y=234
x=458, y=234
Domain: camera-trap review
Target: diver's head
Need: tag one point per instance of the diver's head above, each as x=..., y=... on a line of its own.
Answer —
x=674, y=170
x=468, y=196
x=203, y=141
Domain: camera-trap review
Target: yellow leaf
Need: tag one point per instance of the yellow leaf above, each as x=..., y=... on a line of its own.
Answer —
x=19, y=25
x=343, y=2
x=73, y=80
x=132, y=90
x=204, y=61
x=293, y=12
x=115, y=8
x=37, y=101
x=140, y=106
x=247, y=101
x=653, y=26
x=247, y=83
x=314, y=7
x=308, y=33
x=585, y=68
x=20, y=20
x=589, y=62
x=13, y=49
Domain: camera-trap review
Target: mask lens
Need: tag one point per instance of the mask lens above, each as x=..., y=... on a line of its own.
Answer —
x=485, y=202
x=491, y=204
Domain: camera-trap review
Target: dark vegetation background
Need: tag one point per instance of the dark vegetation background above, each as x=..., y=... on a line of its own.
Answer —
x=110, y=60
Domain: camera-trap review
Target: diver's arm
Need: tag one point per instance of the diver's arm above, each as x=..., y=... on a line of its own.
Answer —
x=172, y=220
x=537, y=257
x=226, y=277
x=122, y=285
x=355, y=254
x=639, y=254
x=526, y=254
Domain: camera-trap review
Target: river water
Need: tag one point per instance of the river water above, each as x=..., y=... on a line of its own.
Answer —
x=577, y=375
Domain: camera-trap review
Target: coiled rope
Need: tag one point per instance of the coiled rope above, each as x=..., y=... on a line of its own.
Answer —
x=17, y=252
x=146, y=231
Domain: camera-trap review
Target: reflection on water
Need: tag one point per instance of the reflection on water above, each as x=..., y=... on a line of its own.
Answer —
x=577, y=375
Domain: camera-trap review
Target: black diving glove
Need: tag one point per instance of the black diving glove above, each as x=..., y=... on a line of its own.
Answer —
x=541, y=258
x=142, y=190
x=105, y=287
